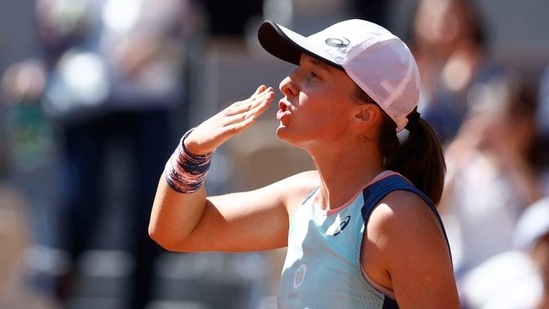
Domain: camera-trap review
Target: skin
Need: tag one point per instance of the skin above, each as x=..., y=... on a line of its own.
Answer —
x=320, y=114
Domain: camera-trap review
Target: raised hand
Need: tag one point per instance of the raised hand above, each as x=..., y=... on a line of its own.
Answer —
x=233, y=120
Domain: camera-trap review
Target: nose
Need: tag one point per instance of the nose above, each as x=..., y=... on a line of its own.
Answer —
x=287, y=87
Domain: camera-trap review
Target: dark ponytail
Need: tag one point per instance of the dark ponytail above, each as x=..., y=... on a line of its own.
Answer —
x=419, y=157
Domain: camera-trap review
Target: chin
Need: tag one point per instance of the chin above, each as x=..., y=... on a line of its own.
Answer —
x=281, y=131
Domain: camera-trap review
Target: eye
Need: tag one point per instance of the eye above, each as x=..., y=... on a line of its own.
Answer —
x=313, y=74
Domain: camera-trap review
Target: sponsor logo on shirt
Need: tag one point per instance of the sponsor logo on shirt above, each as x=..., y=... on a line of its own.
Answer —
x=299, y=275
x=342, y=225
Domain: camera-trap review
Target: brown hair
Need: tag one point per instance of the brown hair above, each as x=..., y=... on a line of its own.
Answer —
x=419, y=158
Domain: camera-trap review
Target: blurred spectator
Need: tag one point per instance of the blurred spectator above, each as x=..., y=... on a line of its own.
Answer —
x=30, y=140
x=518, y=278
x=449, y=41
x=116, y=80
x=491, y=178
x=27, y=209
x=15, y=240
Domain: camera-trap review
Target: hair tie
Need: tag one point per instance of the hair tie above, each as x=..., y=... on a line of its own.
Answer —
x=413, y=119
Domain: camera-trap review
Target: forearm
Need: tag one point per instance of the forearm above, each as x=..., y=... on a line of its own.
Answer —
x=180, y=203
x=175, y=215
x=180, y=198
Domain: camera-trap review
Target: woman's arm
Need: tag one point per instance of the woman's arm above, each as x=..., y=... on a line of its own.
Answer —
x=255, y=220
x=243, y=221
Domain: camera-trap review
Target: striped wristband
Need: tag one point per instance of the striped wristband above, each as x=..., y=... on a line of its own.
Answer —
x=185, y=172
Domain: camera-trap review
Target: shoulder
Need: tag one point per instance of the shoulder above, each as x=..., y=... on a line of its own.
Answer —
x=401, y=211
x=403, y=231
x=307, y=181
x=299, y=186
x=402, y=224
x=293, y=190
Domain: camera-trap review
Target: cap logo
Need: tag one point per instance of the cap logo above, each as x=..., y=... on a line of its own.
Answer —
x=337, y=42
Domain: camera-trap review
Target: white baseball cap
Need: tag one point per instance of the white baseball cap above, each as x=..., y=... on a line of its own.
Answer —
x=375, y=59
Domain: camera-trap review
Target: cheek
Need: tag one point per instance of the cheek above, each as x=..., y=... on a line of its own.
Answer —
x=321, y=111
x=325, y=112
x=331, y=123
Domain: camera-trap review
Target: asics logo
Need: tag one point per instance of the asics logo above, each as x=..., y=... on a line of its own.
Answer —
x=342, y=225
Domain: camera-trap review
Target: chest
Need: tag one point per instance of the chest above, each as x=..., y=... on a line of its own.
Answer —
x=324, y=255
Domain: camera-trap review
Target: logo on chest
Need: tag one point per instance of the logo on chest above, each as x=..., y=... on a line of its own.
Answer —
x=342, y=226
x=299, y=275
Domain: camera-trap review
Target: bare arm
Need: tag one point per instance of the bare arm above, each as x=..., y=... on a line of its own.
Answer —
x=405, y=251
x=244, y=221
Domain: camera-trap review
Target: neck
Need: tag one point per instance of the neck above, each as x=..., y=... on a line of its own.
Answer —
x=343, y=174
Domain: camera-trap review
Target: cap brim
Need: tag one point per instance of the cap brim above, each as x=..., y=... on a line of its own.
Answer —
x=288, y=45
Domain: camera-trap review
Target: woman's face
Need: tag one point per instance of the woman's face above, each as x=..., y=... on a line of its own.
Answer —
x=318, y=105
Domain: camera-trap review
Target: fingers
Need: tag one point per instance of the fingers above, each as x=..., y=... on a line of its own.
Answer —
x=233, y=120
x=242, y=114
x=259, y=89
x=255, y=103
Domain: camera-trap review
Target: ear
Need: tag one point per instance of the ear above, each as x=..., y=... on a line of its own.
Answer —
x=368, y=114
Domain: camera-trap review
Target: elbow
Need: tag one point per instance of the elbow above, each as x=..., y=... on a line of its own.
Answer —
x=155, y=235
x=161, y=238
